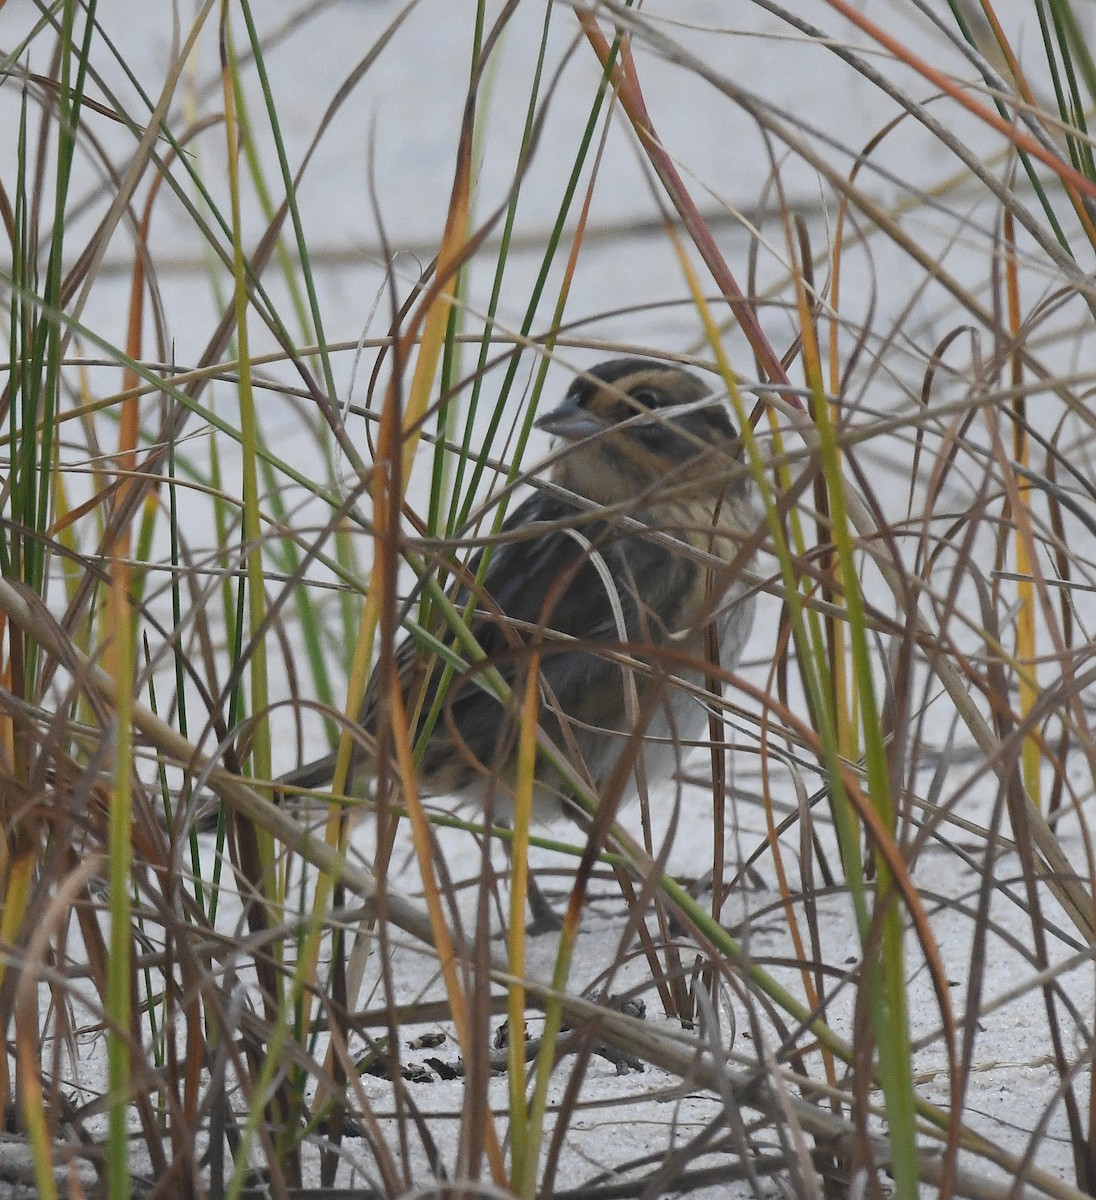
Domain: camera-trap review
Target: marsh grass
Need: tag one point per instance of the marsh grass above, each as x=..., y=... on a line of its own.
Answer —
x=206, y=557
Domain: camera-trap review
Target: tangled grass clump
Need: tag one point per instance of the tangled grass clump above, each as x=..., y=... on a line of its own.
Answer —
x=226, y=492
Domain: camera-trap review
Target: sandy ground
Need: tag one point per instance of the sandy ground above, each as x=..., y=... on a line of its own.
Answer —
x=626, y=1125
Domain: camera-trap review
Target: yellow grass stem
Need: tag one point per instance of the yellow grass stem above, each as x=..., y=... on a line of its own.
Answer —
x=524, y=1146
x=119, y=664
x=249, y=442
x=884, y=978
x=443, y=943
x=251, y=521
x=1026, y=645
x=885, y=983
x=120, y=636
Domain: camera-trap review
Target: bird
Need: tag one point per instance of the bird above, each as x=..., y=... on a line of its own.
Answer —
x=606, y=580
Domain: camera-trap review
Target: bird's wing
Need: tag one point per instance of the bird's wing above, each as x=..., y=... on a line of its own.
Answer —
x=571, y=580
x=576, y=589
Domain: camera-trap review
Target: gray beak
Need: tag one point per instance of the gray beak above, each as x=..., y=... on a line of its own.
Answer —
x=571, y=421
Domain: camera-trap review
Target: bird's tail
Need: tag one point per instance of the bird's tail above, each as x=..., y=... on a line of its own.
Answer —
x=315, y=774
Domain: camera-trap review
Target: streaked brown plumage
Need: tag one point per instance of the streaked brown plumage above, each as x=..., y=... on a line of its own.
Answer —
x=580, y=582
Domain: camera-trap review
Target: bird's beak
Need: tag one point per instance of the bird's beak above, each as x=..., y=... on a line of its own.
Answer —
x=571, y=421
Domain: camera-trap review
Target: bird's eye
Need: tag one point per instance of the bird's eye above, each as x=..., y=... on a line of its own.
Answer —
x=644, y=398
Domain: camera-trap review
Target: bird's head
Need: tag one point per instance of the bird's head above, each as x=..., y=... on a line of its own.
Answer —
x=631, y=423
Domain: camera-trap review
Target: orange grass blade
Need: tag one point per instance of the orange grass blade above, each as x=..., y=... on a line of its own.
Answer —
x=626, y=81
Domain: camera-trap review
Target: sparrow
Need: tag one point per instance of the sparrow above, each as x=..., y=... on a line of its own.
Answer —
x=607, y=583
